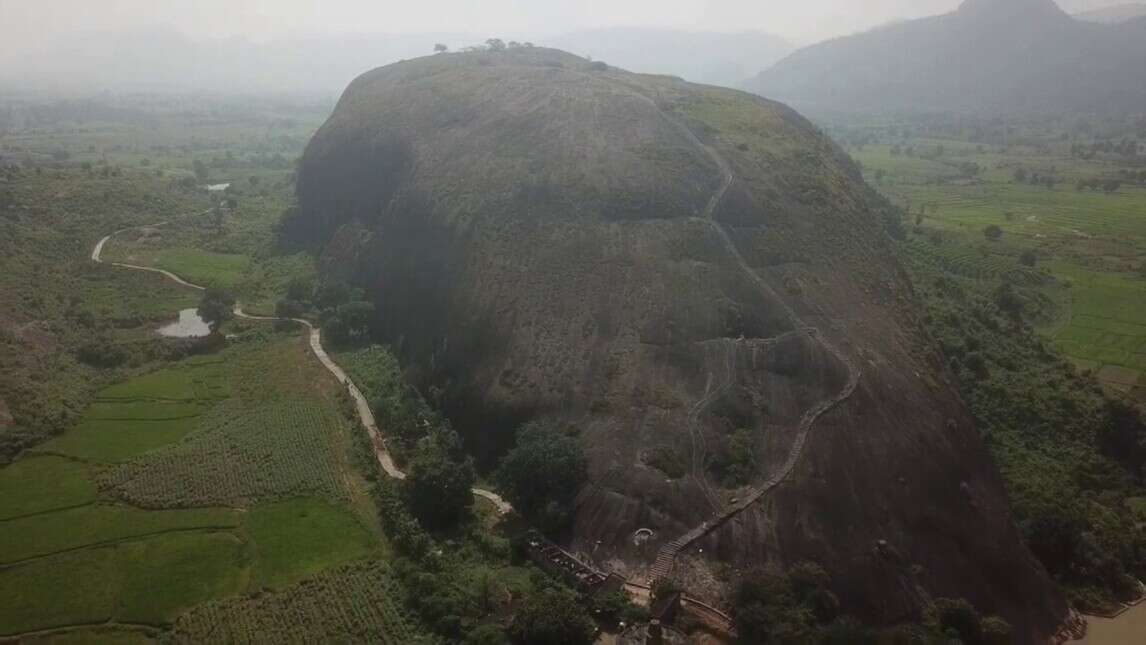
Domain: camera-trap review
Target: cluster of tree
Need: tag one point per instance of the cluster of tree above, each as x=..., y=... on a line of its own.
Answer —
x=491, y=44
x=1108, y=186
x=737, y=465
x=1023, y=176
x=932, y=153
x=541, y=474
x=1131, y=175
x=104, y=171
x=1070, y=456
x=797, y=606
x=439, y=480
x=897, y=150
x=343, y=312
x=968, y=168
x=1127, y=147
x=216, y=307
x=456, y=592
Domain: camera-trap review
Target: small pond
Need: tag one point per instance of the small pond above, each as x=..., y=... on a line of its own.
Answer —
x=189, y=325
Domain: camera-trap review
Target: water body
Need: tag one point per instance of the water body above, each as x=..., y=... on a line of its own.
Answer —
x=189, y=325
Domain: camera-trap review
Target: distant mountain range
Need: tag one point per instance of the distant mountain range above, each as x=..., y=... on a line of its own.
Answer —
x=986, y=56
x=1115, y=14
x=163, y=59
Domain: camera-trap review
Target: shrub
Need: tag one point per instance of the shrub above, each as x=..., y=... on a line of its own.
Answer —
x=552, y=617
x=542, y=473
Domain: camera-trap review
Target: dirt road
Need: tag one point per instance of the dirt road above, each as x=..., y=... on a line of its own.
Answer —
x=365, y=414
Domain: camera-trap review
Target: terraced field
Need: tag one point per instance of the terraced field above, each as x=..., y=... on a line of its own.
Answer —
x=244, y=451
x=145, y=413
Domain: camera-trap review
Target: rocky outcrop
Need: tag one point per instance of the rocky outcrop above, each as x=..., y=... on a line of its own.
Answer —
x=697, y=280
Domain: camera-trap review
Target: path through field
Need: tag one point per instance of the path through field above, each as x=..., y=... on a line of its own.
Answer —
x=666, y=557
x=365, y=414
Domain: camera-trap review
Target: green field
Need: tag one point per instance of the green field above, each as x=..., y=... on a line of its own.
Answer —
x=368, y=594
x=41, y=484
x=146, y=483
x=1089, y=245
x=144, y=413
x=300, y=537
x=228, y=441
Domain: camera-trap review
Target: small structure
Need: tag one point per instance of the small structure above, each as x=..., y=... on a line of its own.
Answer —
x=560, y=562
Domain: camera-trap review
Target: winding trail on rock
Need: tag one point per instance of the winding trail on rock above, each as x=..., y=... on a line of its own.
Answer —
x=362, y=406
x=666, y=556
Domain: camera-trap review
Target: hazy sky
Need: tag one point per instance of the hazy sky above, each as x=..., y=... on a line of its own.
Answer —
x=29, y=23
x=24, y=22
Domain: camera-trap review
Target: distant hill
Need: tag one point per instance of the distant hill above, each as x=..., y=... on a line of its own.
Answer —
x=726, y=59
x=986, y=56
x=1114, y=15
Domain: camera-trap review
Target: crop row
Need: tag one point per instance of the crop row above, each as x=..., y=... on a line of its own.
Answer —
x=968, y=262
x=356, y=603
x=275, y=450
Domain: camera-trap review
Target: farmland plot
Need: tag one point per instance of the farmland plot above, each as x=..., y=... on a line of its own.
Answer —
x=354, y=603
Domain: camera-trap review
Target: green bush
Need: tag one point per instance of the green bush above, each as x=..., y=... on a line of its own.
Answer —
x=542, y=473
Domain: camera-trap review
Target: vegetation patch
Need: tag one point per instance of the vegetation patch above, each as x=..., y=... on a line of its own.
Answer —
x=146, y=581
x=166, y=575
x=43, y=483
x=144, y=413
x=95, y=524
x=300, y=537
x=78, y=588
x=239, y=455
x=368, y=597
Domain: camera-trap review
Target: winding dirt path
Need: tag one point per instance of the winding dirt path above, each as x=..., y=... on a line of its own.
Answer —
x=362, y=406
x=666, y=557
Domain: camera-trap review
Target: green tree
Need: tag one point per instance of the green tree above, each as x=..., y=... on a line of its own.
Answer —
x=200, y=171
x=356, y=316
x=552, y=617
x=993, y=232
x=960, y=617
x=439, y=481
x=542, y=473
x=487, y=634
x=216, y=307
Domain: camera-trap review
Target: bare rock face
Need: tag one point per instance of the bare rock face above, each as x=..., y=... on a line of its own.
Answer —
x=699, y=281
x=6, y=419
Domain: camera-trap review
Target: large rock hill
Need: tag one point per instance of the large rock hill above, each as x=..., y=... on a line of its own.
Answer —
x=679, y=271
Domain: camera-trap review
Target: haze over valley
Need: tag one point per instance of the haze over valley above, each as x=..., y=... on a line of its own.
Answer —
x=568, y=323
